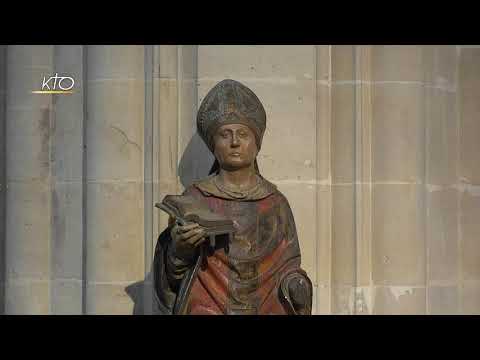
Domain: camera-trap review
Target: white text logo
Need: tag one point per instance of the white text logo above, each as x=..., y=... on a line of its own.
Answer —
x=56, y=85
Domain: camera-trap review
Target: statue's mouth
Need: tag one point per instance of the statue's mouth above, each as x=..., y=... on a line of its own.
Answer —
x=235, y=154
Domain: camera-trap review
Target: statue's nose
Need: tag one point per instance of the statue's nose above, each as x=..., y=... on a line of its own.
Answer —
x=235, y=141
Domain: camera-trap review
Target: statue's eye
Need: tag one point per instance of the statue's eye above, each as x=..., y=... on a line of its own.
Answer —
x=224, y=134
x=242, y=134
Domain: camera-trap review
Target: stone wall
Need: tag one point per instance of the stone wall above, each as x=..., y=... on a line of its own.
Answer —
x=468, y=171
x=375, y=148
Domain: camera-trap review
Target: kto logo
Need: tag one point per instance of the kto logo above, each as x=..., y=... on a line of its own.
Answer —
x=56, y=85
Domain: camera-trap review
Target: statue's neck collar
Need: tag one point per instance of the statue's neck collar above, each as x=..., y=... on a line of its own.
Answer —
x=210, y=186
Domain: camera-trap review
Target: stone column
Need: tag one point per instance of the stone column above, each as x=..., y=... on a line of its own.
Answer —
x=67, y=197
x=343, y=175
x=469, y=179
x=114, y=177
x=166, y=125
x=396, y=269
x=441, y=189
x=28, y=196
x=3, y=80
x=393, y=194
x=335, y=150
x=323, y=166
x=44, y=203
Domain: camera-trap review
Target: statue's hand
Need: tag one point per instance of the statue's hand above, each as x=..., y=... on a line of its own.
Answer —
x=298, y=293
x=185, y=240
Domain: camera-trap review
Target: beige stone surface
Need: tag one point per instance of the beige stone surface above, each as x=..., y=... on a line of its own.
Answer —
x=188, y=63
x=343, y=300
x=3, y=75
x=66, y=297
x=343, y=133
x=324, y=236
x=441, y=137
x=323, y=126
x=69, y=115
x=363, y=300
x=323, y=63
x=28, y=231
x=30, y=56
x=264, y=62
x=32, y=152
x=115, y=132
x=343, y=236
x=115, y=240
x=22, y=81
x=28, y=121
x=398, y=256
x=115, y=151
x=399, y=300
x=108, y=299
x=442, y=235
x=68, y=158
x=27, y=259
x=187, y=105
x=469, y=216
x=115, y=62
x=323, y=300
x=443, y=300
x=168, y=129
x=167, y=62
x=343, y=63
x=397, y=63
x=440, y=65
x=27, y=298
x=67, y=232
x=363, y=215
x=470, y=300
x=470, y=112
x=397, y=125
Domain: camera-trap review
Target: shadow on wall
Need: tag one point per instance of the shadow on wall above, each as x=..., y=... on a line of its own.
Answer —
x=137, y=291
x=196, y=161
x=195, y=164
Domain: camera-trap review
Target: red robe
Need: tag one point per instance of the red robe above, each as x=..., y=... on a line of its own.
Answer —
x=247, y=278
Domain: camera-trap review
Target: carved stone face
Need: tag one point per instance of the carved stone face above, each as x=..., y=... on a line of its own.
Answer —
x=235, y=146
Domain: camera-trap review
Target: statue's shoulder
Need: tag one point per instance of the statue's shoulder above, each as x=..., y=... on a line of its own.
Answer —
x=205, y=185
x=270, y=187
x=279, y=197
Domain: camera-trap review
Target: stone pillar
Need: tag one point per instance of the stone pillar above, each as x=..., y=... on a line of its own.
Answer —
x=441, y=189
x=114, y=188
x=394, y=179
x=67, y=197
x=190, y=167
x=150, y=182
x=44, y=203
x=3, y=80
x=28, y=196
x=392, y=149
x=469, y=179
x=180, y=157
x=166, y=95
x=343, y=150
x=323, y=166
